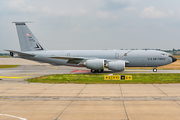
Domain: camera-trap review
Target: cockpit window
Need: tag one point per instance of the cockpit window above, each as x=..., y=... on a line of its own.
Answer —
x=165, y=54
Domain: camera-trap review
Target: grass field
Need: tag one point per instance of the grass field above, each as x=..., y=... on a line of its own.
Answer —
x=8, y=66
x=5, y=56
x=142, y=78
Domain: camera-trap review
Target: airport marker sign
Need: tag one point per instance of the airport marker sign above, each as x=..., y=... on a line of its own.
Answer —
x=117, y=77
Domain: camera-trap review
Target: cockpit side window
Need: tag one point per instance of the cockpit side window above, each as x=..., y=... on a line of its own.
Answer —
x=165, y=54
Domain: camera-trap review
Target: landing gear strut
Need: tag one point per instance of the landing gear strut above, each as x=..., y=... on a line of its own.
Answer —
x=154, y=70
x=97, y=71
x=100, y=71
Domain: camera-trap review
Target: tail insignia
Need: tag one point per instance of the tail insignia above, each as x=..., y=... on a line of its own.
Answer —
x=28, y=34
x=38, y=47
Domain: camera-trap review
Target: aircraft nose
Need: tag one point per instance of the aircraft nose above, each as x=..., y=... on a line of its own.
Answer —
x=173, y=58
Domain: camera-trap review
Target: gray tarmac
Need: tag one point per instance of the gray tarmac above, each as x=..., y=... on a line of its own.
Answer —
x=20, y=100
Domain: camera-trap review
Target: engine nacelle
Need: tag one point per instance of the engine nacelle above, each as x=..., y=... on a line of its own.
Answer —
x=95, y=64
x=116, y=65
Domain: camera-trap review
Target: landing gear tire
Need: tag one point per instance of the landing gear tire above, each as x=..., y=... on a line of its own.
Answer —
x=154, y=70
x=97, y=71
x=11, y=54
x=100, y=71
x=93, y=71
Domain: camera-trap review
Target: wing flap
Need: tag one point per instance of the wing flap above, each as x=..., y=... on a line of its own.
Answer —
x=69, y=58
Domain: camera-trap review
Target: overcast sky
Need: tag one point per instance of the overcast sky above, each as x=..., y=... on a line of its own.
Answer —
x=93, y=24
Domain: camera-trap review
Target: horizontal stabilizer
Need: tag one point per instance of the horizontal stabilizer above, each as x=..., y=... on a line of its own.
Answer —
x=24, y=22
x=21, y=53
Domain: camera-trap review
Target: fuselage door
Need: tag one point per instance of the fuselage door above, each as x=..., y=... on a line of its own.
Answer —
x=116, y=55
x=68, y=55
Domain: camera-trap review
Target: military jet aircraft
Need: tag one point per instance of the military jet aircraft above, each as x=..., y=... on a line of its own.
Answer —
x=96, y=60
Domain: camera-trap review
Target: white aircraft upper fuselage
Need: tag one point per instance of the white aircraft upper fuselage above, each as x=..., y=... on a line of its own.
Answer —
x=95, y=60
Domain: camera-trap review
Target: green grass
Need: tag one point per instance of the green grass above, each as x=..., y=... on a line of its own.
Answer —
x=142, y=78
x=5, y=56
x=8, y=66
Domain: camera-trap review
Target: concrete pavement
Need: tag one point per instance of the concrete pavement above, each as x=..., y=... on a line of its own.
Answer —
x=89, y=101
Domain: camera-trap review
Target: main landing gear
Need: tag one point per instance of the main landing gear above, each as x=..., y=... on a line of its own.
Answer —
x=154, y=69
x=97, y=71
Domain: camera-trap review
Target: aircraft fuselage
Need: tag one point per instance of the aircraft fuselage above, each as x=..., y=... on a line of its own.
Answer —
x=135, y=58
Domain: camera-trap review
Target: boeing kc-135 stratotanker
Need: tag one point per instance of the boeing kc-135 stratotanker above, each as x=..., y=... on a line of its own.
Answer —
x=96, y=60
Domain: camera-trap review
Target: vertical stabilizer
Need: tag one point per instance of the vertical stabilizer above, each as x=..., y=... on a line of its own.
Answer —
x=27, y=40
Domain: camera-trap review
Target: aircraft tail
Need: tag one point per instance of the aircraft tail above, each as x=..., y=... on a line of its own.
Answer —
x=27, y=40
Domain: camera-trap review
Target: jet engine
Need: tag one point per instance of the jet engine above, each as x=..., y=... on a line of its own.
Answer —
x=95, y=64
x=116, y=65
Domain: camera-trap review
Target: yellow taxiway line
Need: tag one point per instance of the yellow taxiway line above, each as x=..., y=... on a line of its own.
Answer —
x=14, y=77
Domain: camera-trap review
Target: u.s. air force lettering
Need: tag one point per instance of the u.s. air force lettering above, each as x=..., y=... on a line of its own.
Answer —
x=156, y=58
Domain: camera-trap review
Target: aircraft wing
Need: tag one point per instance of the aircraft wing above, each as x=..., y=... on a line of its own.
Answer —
x=21, y=53
x=71, y=60
x=77, y=60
